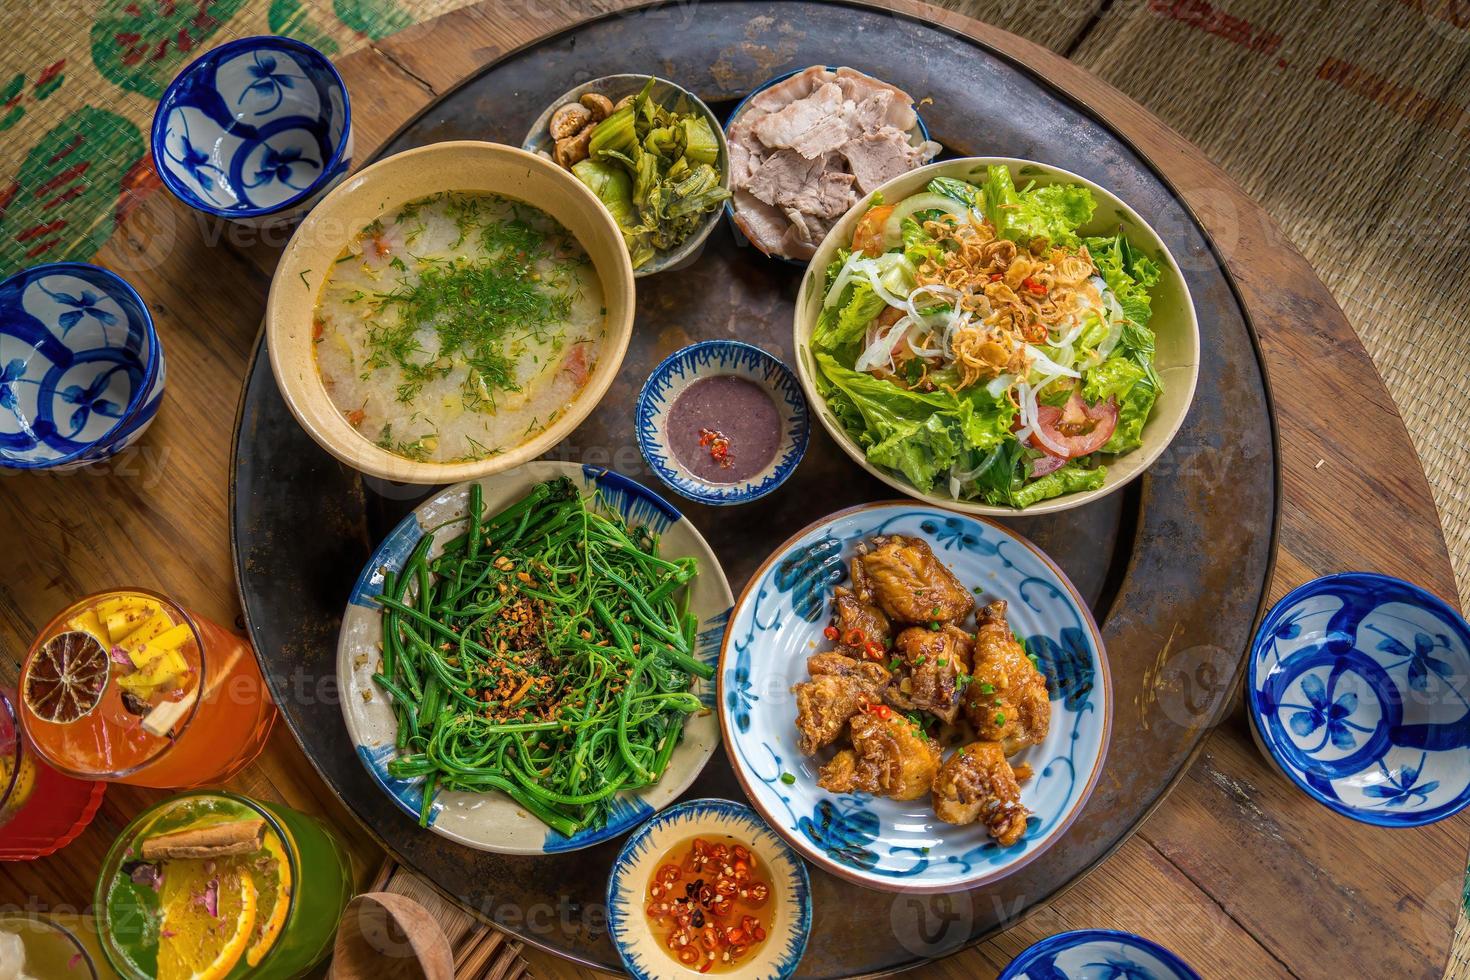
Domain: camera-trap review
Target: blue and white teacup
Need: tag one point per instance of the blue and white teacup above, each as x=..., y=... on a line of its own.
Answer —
x=81, y=368
x=254, y=131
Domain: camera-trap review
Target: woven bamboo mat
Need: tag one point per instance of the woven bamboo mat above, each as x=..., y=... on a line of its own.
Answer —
x=1350, y=123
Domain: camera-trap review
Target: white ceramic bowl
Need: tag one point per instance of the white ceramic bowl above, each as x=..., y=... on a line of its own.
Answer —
x=492, y=821
x=1173, y=321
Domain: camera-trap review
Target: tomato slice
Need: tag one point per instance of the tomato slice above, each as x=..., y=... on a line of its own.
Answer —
x=868, y=236
x=1076, y=427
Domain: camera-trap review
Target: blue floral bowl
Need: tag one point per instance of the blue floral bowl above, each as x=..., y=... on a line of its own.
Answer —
x=81, y=368
x=1097, y=954
x=790, y=905
x=255, y=130
x=1360, y=693
x=708, y=359
x=883, y=843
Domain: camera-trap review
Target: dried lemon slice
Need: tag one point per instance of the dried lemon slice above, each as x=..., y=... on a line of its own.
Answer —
x=65, y=679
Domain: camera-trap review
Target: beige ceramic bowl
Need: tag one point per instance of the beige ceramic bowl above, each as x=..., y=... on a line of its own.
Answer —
x=384, y=186
x=1177, y=343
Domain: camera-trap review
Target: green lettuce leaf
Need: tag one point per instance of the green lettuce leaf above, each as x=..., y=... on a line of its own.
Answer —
x=1123, y=378
x=1069, y=479
x=851, y=320
x=917, y=245
x=1054, y=212
x=916, y=434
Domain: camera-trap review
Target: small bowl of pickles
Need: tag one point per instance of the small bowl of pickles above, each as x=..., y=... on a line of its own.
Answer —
x=652, y=152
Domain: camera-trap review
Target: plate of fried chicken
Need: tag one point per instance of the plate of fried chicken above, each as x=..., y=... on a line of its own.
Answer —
x=917, y=699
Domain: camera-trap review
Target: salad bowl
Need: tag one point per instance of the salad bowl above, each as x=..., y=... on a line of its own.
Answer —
x=493, y=821
x=882, y=843
x=254, y=131
x=1175, y=362
x=81, y=367
x=1358, y=694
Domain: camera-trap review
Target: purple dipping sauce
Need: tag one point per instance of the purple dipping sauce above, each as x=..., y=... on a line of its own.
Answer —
x=724, y=429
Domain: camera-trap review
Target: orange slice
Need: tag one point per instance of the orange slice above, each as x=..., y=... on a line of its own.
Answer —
x=272, y=872
x=66, y=678
x=194, y=942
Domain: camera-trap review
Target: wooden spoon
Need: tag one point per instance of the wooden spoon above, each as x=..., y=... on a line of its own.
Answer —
x=383, y=936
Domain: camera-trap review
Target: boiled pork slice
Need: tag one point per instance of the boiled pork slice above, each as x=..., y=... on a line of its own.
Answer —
x=876, y=158
x=798, y=86
x=857, y=87
x=785, y=127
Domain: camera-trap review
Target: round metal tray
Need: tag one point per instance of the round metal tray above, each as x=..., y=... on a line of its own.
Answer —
x=1175, y=566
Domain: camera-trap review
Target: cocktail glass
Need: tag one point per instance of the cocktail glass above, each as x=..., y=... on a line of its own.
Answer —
x=33, y=945
x=41, y=810
x=129, y=686
x=301, y=863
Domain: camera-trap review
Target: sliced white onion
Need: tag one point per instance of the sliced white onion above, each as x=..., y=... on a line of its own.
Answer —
x=1000, y=385
x=1040, y=362
x=879, y=353
x=855, y=262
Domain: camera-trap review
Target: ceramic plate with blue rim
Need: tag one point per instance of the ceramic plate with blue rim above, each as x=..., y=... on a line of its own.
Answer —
x=1358, y=693
x=81, y=368
x=709, y=359
x=491, y=821
x=256, y=129
x=790, y=906
x=883, y=843
x=1097, y=954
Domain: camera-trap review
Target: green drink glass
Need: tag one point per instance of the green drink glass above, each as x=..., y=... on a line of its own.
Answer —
x=218, y=884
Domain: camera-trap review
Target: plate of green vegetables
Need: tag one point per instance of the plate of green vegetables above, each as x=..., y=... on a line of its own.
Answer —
x=527, y=661
x=653, y=153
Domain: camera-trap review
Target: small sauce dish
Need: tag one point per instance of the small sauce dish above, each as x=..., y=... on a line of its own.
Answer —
x=767, y=911
x=81, y=368
x=722, y=422
x=254, y=131
x=1358, y=694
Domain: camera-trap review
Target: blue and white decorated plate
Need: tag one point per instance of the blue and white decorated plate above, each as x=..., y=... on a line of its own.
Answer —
x=1097, y=954
x=255, y=130
x=1358, y=693
x=882, y=843
x=704, y=360
x=81, y=368
x=627, y=887
x=492, y=821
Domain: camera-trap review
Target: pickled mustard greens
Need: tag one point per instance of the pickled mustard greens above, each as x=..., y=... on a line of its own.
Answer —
x=657, y=170
x=458, y=326
x=548, y=653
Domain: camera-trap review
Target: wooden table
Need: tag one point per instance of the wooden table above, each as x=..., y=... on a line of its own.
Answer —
x=1236, y=870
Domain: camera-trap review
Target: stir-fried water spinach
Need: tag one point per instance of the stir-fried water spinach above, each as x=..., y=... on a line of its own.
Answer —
x=547, y=652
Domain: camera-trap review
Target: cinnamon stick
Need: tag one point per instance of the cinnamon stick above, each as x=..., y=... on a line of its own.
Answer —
x=217, y=840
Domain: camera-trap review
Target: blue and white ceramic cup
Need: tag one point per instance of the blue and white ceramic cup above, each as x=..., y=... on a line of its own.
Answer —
x=254, y=131
x=81, y=368
x=1359, y=692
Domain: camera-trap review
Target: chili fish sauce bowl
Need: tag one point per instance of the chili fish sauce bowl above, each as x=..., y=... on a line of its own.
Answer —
x=1173, y=321
x=706, y=888
x=722, y=422
x=81, y=367
x=254, y=131
x=492, y=820
x=782, y=618
x=1359, y=693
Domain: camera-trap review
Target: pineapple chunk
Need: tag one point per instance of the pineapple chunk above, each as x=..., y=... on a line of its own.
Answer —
x=163, y=674
x=158, y=622
x=170, y=640
x=89, y=622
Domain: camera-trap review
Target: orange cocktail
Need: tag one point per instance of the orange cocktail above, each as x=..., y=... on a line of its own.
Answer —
x=129, y=686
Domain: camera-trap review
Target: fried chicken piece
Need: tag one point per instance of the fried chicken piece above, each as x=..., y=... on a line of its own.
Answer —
x=889, y=757
x=1006, y=700
x=911, y=585
x=839, y=688
x=858, y=623
x=931, y=662
x=977, y=783
x=862, y=585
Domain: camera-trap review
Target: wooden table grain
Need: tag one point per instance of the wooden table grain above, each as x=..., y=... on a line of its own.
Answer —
x=1236, y=870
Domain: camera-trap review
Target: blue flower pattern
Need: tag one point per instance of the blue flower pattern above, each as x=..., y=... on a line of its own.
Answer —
x=1322, y=712
x=1404, y=788
x=11, y=375
x=89, y=400
x=276, y=165
x=83, y=304
x=268, y=82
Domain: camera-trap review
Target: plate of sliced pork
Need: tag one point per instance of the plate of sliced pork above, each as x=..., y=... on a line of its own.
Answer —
x=917, y=700
x=807, y=145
